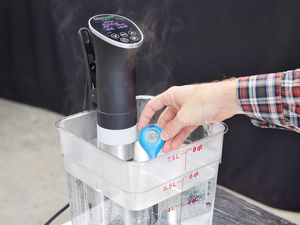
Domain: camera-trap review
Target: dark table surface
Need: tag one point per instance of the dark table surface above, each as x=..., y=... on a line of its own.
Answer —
x=231, y=210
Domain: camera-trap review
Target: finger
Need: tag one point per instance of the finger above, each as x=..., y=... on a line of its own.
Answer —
x=172, y=128
x=180, y=138
x=167, y=146
x=166, y=116
x=152, y=106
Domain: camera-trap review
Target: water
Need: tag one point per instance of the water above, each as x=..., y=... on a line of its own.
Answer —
x=169, y=204
x=193, y=206
x=190, y=207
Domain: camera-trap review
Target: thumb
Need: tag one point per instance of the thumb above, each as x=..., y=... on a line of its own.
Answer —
x=172, y=128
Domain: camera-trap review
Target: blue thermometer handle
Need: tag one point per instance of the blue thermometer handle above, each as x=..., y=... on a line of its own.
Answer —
x=150, y=140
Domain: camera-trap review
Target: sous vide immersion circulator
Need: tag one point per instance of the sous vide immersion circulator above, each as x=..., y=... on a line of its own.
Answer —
x=116, y=40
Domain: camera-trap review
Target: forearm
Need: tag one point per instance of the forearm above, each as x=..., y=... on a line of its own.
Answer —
x=272, y=100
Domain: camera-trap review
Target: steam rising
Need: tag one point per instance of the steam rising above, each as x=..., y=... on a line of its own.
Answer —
x=154, y=64
x=64, y=16
x=156, y=22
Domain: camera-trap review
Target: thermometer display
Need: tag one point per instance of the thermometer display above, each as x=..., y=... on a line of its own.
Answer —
x=150, y=140
x=152, y=136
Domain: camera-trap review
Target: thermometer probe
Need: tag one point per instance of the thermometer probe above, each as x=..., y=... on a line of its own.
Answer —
x=150, y=140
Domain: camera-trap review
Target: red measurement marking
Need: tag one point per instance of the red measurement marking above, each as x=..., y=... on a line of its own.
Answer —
x=192, y=201
x=193, y=175
x=169, y=186
x=197, y=148
x=180, y=181
x=173, y=158
x=181, y=200
x=170, y=209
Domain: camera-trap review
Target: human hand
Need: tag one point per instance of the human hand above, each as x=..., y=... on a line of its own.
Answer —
x=190, y=106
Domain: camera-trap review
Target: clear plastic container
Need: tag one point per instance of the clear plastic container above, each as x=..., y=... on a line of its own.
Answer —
x=174, y=188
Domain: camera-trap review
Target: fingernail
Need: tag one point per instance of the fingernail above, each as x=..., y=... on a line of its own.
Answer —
x=164, y=135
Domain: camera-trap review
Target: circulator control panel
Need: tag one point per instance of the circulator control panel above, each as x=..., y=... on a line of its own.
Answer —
x=116, y=30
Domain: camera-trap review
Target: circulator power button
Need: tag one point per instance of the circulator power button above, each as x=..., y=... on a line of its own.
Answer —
x=125, y=40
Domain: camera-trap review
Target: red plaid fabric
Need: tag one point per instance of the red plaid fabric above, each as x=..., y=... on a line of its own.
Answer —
x=272, y=100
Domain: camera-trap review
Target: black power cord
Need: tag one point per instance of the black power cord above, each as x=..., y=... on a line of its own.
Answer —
x=57, y=214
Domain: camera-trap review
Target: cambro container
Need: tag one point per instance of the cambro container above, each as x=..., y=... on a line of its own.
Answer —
x=173, y=189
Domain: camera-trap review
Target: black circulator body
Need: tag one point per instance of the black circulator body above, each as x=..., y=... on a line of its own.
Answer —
x=116, y=40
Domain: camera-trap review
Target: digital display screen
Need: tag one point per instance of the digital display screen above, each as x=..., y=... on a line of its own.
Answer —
x=113, y=25
x=116, y=28
x=152, y=136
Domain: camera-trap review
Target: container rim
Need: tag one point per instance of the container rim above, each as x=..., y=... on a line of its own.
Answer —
x=73, y=116
x=137, y=163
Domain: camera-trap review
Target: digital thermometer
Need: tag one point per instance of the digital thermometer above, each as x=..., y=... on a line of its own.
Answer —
x=150, y=140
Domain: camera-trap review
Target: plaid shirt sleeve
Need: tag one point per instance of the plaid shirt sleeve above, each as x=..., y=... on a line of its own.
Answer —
x=272, y=100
